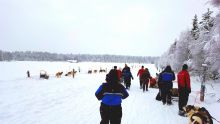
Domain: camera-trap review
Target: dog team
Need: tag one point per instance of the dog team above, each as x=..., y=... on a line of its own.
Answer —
x=43, y=74
x=70, y=73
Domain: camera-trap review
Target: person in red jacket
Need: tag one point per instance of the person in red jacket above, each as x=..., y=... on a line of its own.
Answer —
x=184, y=88
x=140, y=72
x=119, y=73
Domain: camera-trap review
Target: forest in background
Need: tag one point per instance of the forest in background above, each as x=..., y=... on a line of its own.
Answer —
x=46, y=56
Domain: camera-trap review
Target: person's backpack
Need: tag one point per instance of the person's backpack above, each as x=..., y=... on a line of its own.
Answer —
x=167, y=77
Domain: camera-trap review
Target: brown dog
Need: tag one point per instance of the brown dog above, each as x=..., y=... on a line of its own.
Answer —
x=198, y=115
x=89, y=71
x=58, y=74
x=70, y=73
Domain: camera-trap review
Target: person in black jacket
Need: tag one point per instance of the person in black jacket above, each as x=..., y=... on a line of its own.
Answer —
x=165, y=84
x=111, y=94
x=127, y=75
x=145, y=79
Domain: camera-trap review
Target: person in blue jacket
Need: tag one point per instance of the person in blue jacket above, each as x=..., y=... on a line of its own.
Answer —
x=111, y=95
x=165, y=83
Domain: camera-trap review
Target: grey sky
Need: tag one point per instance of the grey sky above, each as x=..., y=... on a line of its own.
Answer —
x=121, y=27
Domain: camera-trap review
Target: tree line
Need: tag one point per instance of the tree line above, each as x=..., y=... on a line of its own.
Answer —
x=46, y=56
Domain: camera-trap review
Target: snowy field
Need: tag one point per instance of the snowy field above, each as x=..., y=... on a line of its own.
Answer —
x=68, y=100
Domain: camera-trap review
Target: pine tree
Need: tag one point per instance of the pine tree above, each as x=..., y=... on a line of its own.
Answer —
x=195, y=29
x=207, y=21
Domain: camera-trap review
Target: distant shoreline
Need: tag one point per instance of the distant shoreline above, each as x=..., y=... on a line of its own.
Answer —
x=47, y=56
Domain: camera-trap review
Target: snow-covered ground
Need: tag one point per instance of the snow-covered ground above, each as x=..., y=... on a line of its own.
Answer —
x=72, y=101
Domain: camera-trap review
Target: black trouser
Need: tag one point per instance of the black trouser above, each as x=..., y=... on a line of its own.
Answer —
x=110, y=113
x=127, y=83
x=141, y=82
x=183, y=99
x=158, y=97
x=165, y=93
x=145, y=85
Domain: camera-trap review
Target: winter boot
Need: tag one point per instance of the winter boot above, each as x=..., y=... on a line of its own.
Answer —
x=169, y=103
x=182, y=113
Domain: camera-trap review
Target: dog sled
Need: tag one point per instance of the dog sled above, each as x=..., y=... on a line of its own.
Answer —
x=43, y=74
x=173, y=93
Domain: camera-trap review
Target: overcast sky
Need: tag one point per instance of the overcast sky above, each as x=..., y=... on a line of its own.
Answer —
x=120, y=27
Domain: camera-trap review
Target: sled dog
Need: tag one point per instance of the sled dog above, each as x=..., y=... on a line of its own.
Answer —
x=197, y=115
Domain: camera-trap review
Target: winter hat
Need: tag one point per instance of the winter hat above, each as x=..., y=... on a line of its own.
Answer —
x=112, y=76
x=185, y=67
x=168, y=69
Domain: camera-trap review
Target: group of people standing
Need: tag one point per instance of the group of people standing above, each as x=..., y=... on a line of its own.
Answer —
x=165, y=83
x=112, y=92
x=125, y=76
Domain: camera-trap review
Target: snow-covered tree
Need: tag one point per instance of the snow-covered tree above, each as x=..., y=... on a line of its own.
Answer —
x=197, y=52
x=213, y=49
x=195, y=29
x=182, y=52
x=46, y=56
x=207, y=21
x=198, y=46
x=168, y=58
